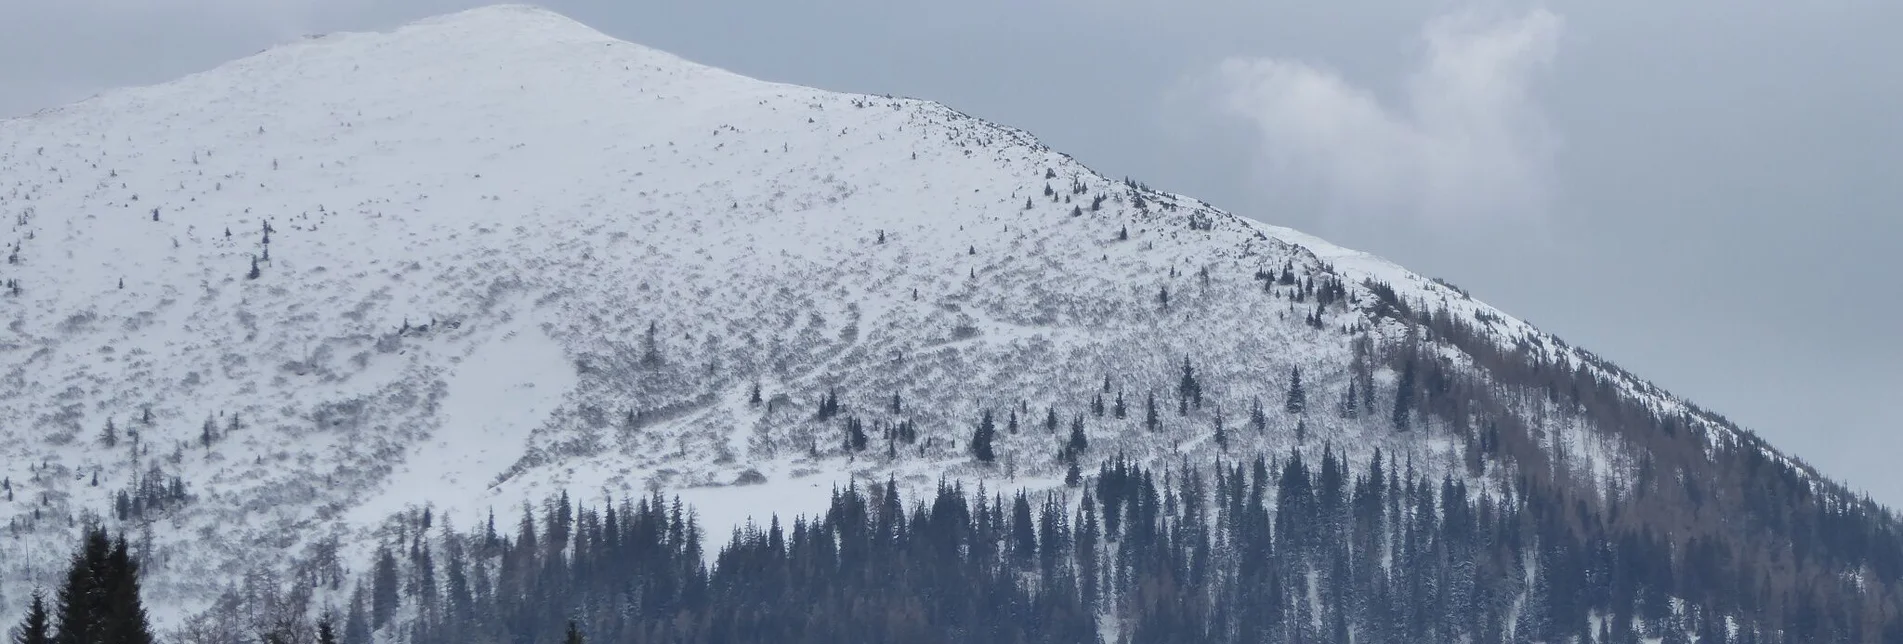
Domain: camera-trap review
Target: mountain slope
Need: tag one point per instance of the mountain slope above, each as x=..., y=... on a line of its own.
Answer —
x=495, y=255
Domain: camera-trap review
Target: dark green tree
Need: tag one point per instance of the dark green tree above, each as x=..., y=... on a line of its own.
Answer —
x=1297, y=400
x=1404, y=397
x=36, y=628
x=981, y=439
x=1078, y=442
x=383, y=589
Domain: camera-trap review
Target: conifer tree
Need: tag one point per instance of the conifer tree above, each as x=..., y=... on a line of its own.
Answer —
x=1121, y=411
x=324, y=633
x=1150, y=421
x=574, y=634
x=1189, y=391
x=383, y=588
x=1078, y=441
x=1404, y=397
x=36, y=628
x=981, y=439
x=1297, y=399
x=100, y=599
x=356, y=624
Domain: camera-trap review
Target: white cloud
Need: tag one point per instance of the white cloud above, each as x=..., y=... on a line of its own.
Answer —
x=1467, y=142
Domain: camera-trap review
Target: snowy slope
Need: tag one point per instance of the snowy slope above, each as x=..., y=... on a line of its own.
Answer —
x=495, y=235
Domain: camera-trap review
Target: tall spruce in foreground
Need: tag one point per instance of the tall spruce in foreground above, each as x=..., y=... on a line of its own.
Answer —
x=37, y=627
x=100, y=599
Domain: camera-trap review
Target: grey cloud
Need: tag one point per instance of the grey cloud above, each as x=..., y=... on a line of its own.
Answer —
x=1467, y=141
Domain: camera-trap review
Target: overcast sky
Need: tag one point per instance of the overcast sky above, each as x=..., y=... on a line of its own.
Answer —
x=1709, y=194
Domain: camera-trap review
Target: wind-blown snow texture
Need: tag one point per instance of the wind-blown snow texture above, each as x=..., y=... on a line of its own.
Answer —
x=476, y=220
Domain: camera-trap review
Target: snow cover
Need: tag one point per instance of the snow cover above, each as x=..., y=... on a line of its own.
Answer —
x=496, y=234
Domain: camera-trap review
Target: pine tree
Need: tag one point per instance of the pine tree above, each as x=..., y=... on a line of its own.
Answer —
x=574, y=634
x=981, y=439
x=1078, y=441
x=1189, y=391
x=1297, y=400
x=324, y=633
x=110, y=435
x=254, y=272
x=1258, y=420
x=356, y=624
x=383, y=588
x=100, y=599
x=1150, y=421
x=1121, y=411
x=35, y=629
x=1222, y=434
x=1404, y=397
x=1050, y=420
x=79, y=606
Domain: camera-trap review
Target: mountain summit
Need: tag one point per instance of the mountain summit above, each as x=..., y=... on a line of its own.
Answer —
x=261, y=311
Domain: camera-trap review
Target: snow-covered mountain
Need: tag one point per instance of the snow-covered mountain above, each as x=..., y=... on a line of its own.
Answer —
x=495, y=255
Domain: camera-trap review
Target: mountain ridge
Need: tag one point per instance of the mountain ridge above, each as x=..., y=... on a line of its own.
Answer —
x=480, y=208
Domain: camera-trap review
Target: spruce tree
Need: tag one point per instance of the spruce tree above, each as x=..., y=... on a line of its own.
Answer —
x=356, y=624
x=79, y=606
x=126, y=621
x=574, y=634
x=100, y=599
x=1404, y=397
x=324, y=633
x=1297, y=400
x=981, y=439
x=383, y=588
x=1150, y=420
x=1078, y=442
x=36, y=628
